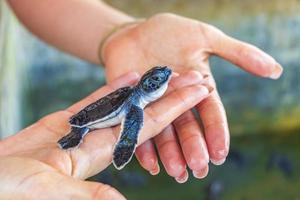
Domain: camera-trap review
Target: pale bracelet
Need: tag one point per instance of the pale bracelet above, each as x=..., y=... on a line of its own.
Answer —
x=112, y=32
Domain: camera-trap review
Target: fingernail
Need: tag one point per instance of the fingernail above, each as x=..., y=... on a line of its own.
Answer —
x=201, y=173
x=209, y=87
x=183, y=178
x=277, y=72
x=218, y=162
x=155, y=171
x=205, y=76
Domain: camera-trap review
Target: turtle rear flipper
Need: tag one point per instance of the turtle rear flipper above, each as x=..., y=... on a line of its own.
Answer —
x=74, y=138
x=126, y=145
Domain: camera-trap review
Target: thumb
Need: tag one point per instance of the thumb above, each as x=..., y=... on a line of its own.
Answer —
x=24, y=178
x=244, y=55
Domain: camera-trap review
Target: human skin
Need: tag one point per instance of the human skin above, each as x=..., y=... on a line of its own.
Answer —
x=32, y=166
x=78, y=27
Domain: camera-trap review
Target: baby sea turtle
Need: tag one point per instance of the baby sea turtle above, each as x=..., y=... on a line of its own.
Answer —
x=123, y=105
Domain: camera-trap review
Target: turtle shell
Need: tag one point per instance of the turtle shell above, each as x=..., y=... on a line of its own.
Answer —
x=102, y=107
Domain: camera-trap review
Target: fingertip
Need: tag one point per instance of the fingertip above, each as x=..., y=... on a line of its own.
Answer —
x=183, y=177
x=277, y=72
x=218, y=157
x=155, y=170
x=149, y=163
x=218, y=162
x=202, y=173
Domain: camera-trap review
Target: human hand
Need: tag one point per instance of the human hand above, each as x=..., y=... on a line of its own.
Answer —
x=32, y=166
x=184, y=44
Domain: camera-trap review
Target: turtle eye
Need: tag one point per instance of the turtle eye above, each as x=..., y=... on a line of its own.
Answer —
x=156, y=78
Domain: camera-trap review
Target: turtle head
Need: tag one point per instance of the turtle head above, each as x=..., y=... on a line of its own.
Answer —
x=155, y=81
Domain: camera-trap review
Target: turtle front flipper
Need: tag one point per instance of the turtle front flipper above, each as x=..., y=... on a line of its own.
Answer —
x=74, y=138
x=130, y=129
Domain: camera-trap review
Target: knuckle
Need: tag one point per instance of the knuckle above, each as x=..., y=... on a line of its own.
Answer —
x=214, y=121
x=211, y=104
x=153, y=121
x=164, y=145
x=192, y=136
x=153, y=116
x=182, y=96
x=184, y=120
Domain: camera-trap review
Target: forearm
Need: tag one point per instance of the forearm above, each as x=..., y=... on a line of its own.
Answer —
x=74, y=26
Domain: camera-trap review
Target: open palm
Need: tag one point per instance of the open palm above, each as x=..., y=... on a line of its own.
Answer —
x=184, y=44
x=32, y=162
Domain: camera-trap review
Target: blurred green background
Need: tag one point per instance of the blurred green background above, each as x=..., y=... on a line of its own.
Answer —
x=264, y=115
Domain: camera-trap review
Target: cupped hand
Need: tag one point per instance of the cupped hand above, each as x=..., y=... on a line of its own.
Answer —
x=184, y=44
x=32, y=166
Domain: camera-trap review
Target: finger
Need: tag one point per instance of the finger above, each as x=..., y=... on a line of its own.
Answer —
x=95, y=153
x=213, y=116
x=147, y=157
x=247, y=56
x=124, y=80
x=170, y=154
x=192, y=143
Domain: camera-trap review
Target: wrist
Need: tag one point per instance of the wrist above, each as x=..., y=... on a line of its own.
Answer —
x=111, y=34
